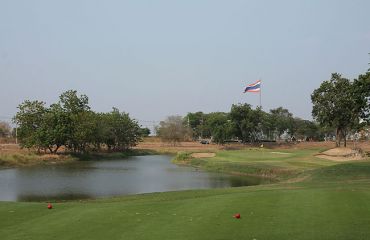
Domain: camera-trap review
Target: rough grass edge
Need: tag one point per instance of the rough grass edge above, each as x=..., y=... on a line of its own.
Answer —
x=182, y=158
x=28, y=159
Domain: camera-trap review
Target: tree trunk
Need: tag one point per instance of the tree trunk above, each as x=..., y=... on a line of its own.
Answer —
x=337, y=140
x=56, y=149
x=344, y=134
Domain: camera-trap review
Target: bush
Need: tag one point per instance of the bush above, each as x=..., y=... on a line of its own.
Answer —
x=183, y=156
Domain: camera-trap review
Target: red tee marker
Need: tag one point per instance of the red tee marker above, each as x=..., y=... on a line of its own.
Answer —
x=50, y=206
x=237, y=215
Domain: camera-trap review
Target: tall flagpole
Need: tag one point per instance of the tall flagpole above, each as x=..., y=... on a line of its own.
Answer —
x=260, y=92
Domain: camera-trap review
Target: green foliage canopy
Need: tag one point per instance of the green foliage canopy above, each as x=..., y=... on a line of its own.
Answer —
x=71, y=123
x=341, y=104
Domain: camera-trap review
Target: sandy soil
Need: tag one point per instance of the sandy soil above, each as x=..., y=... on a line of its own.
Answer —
x=341, y=154
x=340, y=159
x=157, y=145
x=153, y=143
x=203, y=155
x=11, y=148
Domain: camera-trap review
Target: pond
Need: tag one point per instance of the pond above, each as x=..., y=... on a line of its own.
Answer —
x=106, y=178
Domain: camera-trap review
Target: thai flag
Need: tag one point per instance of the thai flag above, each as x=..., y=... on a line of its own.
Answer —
x=254, y=87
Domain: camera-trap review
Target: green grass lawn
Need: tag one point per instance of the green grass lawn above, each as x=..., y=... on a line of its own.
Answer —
x=276, y=164
x=332, y=202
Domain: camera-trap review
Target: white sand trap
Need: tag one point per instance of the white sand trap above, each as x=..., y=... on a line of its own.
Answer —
x=341, y=154
x=203, y=155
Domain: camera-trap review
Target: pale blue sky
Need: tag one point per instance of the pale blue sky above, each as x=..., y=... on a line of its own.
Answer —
x=159, y=58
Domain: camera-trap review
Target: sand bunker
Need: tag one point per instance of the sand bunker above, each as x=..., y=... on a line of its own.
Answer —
x=341, y=154
x=203, y=155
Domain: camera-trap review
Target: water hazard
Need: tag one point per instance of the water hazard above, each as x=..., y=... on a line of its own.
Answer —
x=105, y=178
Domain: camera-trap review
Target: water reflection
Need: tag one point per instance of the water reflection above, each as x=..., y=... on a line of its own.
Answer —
x=106, y=178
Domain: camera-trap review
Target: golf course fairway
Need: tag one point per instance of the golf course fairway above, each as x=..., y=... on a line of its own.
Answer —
x=321, y=200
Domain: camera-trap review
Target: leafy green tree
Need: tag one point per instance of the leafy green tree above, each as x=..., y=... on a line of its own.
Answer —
x=77, y=125
x=361, y=91
x=30, y=121
x=126, y=131
x=72, y=103
x=71, y=123
x=282, y=121
x=220, y=126
x=99, y=131
x=267, y=125
x=83, y=131
x=339, y=103
x=55, y=127
x=305, y=129
x=196, y=122
x=105, y=131
x=247, y=122
x=144, y=132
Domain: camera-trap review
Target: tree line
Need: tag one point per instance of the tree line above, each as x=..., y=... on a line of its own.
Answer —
x=242, y=123
x=340, y=106
x=70, y=123
x=246, y=124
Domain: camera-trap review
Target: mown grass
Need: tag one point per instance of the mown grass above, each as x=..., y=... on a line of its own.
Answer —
x=268, y=212
x=332, y=201
x=278, y=164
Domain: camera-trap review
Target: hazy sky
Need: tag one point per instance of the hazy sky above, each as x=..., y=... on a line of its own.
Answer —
x=159, y=58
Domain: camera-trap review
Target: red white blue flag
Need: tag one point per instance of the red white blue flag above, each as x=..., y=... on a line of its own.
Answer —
x=254, y=87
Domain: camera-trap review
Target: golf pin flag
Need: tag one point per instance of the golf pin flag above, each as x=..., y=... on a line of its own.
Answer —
x=254, y=87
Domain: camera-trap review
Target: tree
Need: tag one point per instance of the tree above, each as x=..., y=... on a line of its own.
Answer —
x=220, y=126
x=305, y=129
x=126, y=132
x=5, y=129
x=267, y=125
x=72, y=124
x=340, y=103
x=247, y=122
x=144, y=132
x=77, y=125
x=55, y=127
x=282, y=120
x=31, y=123
x=196, y=122
x=173, y=130
x=72, y=103
x=361, y=89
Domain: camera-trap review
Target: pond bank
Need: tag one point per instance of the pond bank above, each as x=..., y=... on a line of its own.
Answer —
x=336, y=207
x=110, y=178
x=23, y=158
x=277, y=165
